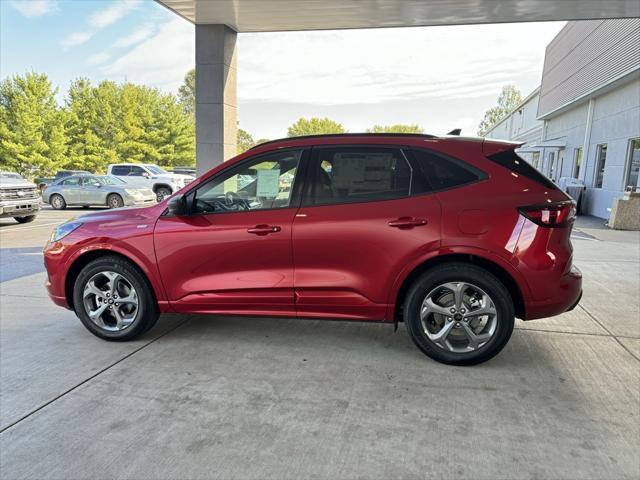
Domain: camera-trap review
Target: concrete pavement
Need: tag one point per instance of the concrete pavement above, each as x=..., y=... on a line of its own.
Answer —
x=206, y=397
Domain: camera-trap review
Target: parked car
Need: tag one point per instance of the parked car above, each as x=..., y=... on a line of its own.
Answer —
x=191, y=171
x=43, y=183
x=19, y=198
x=152, y=176
x=96, y=190
x=453, y=236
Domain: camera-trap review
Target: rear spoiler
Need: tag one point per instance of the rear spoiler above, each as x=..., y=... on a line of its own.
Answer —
x=490, y=146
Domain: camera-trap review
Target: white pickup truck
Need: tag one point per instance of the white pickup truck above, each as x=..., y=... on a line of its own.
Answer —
x=163, y=183
x=19, y=198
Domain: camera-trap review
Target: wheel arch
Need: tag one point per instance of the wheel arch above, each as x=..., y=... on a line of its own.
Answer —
x=507, y=278
x=85, y=258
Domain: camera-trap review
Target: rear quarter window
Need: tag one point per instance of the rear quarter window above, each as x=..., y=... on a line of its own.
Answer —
x=440, y=172
x=514, y=162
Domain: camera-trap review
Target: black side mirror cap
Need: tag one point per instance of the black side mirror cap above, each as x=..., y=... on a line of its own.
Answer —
x=177, y=206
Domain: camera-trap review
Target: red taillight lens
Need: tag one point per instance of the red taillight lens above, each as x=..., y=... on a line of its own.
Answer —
x=558, y=214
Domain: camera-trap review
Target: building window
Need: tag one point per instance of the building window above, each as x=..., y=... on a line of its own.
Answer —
x=601, y=160
x=535, y=159
x=577, y=162
x=551, y=167
x=633, y=163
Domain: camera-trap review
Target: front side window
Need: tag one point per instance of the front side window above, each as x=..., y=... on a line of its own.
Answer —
x=90, y=181
x=137, y=171
x=633, y=167
x=601, y=160
x=358, y=174
x=265, y=183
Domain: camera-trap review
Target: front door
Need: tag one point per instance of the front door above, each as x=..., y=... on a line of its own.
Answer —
x=232, y=254
x=364, y=217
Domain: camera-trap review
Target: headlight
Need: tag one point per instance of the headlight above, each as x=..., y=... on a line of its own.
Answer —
x=63, y=230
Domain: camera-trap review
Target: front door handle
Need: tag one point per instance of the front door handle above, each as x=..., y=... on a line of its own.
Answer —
x=264, y=229
x=407, y=222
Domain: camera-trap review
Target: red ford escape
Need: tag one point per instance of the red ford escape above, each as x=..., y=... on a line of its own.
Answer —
x=453, y=236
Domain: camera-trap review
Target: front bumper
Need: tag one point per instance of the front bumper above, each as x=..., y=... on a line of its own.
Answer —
x=19, y=208
x=141, y=201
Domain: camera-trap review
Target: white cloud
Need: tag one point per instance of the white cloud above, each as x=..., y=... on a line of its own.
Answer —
x=76, y=38
x=98, y=58
x=107, y=16
x=134, y=37
x=35, y=8
x=161, y=60
x=371, y=66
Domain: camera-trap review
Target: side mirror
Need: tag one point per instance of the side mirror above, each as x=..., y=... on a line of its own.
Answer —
x=146, y=174
x=97, y=185
x=177, y=206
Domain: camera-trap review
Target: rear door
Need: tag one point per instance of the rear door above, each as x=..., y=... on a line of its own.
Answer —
x=364, y=217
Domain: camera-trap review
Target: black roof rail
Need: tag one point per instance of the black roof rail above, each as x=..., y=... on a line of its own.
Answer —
x=329, y=135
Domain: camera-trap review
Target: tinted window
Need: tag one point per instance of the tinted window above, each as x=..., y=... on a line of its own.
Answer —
x=358, y=174
x=266, y=182
x=90, y=181
x=517, y=164
x=120, y=170
x=440, y=172
x=136, y=171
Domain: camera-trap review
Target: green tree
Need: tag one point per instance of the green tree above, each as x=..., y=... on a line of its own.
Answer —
x=187, y=93
x=244, y=140
x=397, y=128
x=508, y=99
x=32, y=130
x=314, y=126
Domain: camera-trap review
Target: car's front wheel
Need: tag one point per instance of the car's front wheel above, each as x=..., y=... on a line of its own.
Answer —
x=115, y=201
x=27, y=219
x=57, y=202
x=114, y=300
x=162, y=193
x=459, y=314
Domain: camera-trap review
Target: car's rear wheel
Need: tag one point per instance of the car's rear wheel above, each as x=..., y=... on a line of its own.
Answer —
x=162, y=193
x=57, y=202
x=459, y=314
x=114, y=300
x=27, y=219
x=115, y=201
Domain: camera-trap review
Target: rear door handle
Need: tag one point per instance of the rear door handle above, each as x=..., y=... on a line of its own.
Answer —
x=407, y=222
x=264, y=229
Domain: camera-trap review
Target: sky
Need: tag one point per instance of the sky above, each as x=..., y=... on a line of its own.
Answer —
x=440, y=78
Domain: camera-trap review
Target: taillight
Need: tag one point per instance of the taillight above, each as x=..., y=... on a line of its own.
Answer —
x=559, y=214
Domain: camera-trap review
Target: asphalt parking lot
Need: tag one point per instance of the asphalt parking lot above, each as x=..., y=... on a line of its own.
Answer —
x=203, y=397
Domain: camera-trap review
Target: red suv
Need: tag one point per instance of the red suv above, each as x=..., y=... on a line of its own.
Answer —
x=452, y=236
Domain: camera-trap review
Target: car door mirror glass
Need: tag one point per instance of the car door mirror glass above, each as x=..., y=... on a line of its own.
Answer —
x=177, y=206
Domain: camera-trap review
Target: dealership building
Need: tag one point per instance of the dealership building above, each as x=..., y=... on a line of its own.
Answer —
x=584, y=119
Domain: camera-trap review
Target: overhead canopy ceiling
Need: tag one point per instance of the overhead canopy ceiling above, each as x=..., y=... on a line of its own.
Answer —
x=281, y=15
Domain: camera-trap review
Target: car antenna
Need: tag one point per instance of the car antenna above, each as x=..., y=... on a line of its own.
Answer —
x=455, y=131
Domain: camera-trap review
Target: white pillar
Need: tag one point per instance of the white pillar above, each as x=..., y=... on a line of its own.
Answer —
x=216, y=95
x=586, y=144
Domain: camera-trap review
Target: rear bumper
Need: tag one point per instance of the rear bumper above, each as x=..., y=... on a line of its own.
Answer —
x=566, y=297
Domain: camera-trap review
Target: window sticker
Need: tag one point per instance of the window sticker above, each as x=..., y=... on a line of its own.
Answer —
x=268, y=183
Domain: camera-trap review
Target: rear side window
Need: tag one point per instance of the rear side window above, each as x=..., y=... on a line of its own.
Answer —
x=358, y=174
x=442, y=172
x=517, y=164
x=120, y=170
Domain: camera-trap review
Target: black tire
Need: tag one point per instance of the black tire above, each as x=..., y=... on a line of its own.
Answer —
x=115, y=201
x=57, y=202
x=459, y=272
x=148, y=311
x=27, y=219
x=162, y=193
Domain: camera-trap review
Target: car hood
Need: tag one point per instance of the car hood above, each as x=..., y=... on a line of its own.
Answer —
x=11, y=183
x=122, y=216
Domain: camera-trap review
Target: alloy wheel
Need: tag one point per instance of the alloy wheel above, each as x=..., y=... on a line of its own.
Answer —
x=110, y=301
x=459, y=317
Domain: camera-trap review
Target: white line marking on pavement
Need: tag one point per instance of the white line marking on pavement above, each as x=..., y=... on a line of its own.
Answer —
x=15, y=229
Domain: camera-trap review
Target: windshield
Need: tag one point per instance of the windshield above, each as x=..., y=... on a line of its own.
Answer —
x=110, y=180
x=156, y=169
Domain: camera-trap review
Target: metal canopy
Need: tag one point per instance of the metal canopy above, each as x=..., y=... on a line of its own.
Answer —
x=283, y=15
